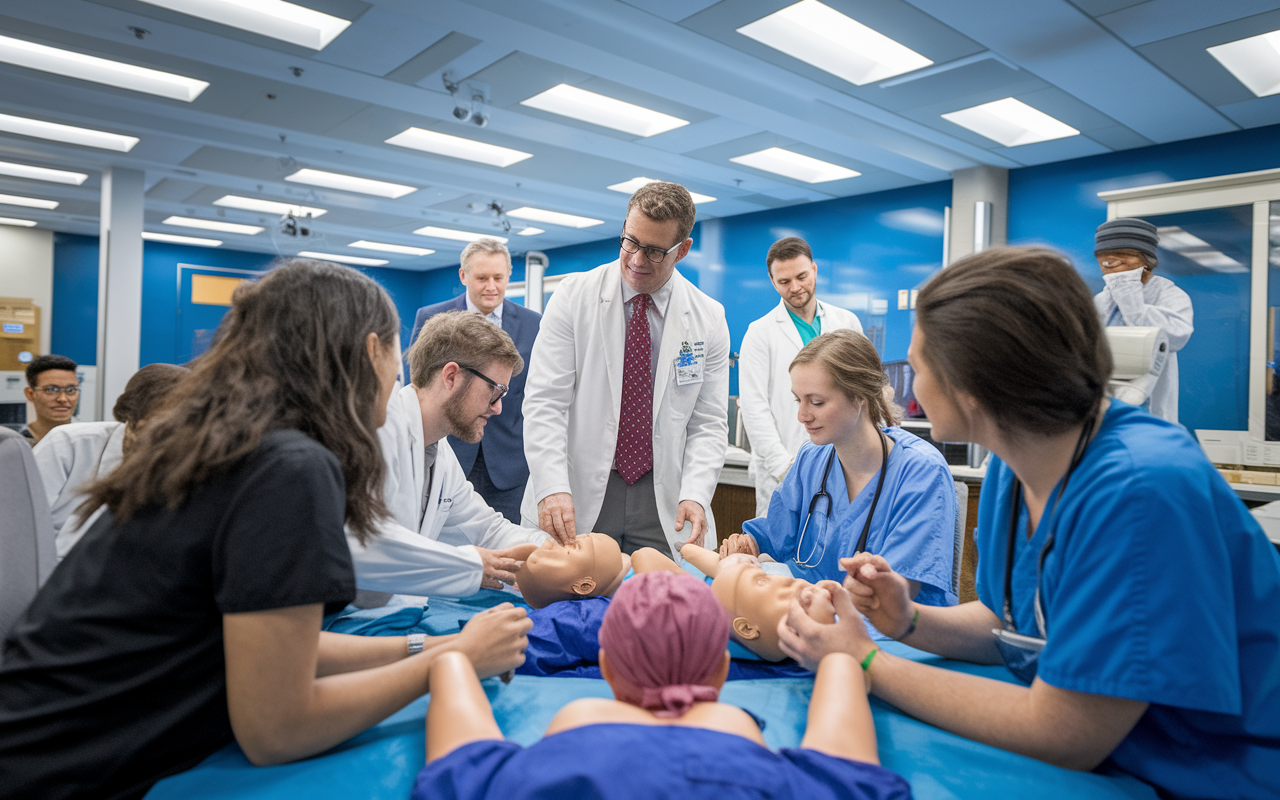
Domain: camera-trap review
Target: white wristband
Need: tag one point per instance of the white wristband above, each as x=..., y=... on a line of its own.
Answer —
x=417, y=642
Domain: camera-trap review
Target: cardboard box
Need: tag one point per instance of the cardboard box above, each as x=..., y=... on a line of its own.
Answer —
x=19, y=332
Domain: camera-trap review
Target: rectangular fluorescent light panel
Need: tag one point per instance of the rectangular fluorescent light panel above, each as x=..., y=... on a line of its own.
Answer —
x=268, y=206
x=531, y=231
x=1254, y=61
x=1190, y=246
x=554, y=217
x=403, y=250
x=794, y=165
x=819, y=35
x=357, y=260
x=1011, y=123
x=458, y=236
x=213, y=225
x=631, y=186
x=442, y=144
x=350, y=183
x=174, y=239
x=70, y=134
x=274, y=18
x=579, y=104
x=28, y=202
x=99, y=70
x=42, y=173
x=21, y=223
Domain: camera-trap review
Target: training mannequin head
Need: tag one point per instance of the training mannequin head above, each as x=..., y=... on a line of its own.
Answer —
x=757, y=602
x=591, y=566
x=662, y=643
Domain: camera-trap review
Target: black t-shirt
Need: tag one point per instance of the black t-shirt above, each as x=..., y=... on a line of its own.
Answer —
x=115, y=675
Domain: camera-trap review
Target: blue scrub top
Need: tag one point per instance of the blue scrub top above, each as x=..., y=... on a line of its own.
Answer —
x=914, y=527
x=648, y=761
x=1161, y=587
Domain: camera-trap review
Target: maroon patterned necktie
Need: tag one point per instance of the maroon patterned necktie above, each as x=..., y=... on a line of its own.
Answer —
x=634, y=456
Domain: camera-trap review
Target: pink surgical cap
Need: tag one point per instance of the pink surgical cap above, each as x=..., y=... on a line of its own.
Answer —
x=666, y=636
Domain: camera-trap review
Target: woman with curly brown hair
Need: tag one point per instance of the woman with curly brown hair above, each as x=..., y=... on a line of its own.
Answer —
x=190, y=612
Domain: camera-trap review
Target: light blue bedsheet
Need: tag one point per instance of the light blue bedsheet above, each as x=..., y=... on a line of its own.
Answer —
x=381, y=763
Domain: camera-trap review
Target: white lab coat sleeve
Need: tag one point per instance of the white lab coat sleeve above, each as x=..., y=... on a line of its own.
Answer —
x=55, y=456
x=472, y=517
x=548, y=394
x=401, y=561
x=1172, y=314
x=707, y=432
x=755, y=366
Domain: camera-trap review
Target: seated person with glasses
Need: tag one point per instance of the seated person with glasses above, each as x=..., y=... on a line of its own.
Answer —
x=73, y=456
x=863, y=485
x=54, y=390
x=442, y=538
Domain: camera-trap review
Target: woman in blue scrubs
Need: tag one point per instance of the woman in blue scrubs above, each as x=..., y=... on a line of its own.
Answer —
x=1121, y=579
x=863, y=483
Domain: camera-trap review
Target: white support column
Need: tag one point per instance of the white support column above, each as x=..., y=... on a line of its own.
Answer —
x=119, y=284
x=979, y=210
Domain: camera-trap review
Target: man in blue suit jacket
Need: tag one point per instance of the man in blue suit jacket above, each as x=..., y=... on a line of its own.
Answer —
x=495, y=466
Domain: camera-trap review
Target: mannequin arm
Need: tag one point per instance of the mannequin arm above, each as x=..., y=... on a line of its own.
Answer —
x=459, y=712
x=706, y=560
x=840, y=722
x=647, y=559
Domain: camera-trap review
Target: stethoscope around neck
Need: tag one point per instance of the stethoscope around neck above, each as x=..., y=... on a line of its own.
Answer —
x=810, y=562
x=1086, y=433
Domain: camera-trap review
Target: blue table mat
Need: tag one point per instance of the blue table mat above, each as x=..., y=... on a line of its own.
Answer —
x=382, y=762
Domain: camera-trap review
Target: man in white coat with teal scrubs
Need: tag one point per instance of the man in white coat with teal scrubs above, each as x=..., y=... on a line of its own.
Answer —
x=626, y=404
x=442, y=537
x=764, y=381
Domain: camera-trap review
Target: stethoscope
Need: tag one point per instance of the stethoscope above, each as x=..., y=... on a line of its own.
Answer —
x=1077, y=456
x=823, y=494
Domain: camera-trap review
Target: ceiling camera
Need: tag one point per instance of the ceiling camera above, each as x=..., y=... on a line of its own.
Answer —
x=461, y=114
x=480, y=118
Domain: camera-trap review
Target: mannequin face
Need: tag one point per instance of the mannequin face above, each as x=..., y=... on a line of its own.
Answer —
x=592, y=566
x=757, y=602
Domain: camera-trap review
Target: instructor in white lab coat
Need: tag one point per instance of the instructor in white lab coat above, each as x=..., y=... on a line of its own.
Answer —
x=1134, y=295
x=442, y=538
x=764, y=383
x=626, y=420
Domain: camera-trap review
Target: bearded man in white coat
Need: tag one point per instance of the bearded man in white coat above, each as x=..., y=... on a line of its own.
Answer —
x=764, y=381
x=626, y=404
x=442, y=537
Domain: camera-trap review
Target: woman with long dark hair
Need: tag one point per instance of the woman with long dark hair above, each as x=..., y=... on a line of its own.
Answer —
x=190, y=612
x=1120, y=580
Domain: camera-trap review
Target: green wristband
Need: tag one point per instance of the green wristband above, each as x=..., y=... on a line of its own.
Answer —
x=866, y=662
x=911, y=628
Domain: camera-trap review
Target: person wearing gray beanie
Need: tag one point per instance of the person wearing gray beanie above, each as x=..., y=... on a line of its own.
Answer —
x=1126, y=250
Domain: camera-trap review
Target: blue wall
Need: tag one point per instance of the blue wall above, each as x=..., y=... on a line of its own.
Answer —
x=1058, y=205
x=75, y=293
x=866, y=248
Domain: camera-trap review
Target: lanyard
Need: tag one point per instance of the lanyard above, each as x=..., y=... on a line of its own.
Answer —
x=822, y=493
x=1086, y=433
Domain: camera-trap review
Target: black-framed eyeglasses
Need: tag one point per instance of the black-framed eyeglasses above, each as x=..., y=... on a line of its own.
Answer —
x=54, y=391
x=499, y=389
x=654, y=254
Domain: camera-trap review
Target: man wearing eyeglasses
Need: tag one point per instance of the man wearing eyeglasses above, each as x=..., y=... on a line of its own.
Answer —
x=54, y=390
x=496, y=465
x=442, y=537
x=626, y=420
